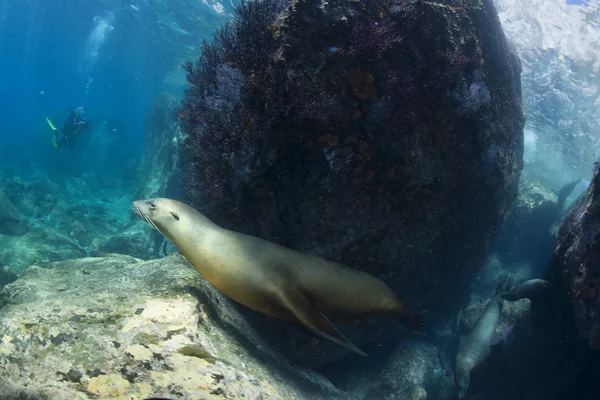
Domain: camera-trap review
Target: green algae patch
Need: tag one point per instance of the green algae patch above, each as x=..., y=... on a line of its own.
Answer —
x=195, y=350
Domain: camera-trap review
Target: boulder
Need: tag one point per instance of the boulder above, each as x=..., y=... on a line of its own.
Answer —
x=413, y=372
x=578, y=260
x=121, y=328
x=384, y=135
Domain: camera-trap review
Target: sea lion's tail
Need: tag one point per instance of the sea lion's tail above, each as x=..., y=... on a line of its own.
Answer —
x=413, y=321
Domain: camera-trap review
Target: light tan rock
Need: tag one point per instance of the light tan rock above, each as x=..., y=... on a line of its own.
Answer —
x=116, y=327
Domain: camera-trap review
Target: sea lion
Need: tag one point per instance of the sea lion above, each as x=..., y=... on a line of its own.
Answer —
x=531, y=289
x=272, y=279
x=475, y=346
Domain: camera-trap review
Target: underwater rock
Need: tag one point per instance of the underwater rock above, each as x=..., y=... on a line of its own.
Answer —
x=35, y=198
x=12, y=221
x=117, y=326
x=7, y=275
x=40, y=244
x=384, y=135
x=578, y=258
x=137, y=240
x=413, y=372
x=158, y=174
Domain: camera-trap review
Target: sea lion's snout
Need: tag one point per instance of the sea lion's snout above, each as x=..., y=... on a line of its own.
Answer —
x=147, y=210
x=160, y=213
x=144, y=206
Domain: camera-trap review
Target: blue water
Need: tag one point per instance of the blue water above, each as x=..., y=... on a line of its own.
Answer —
x=111, y=58
x=578, y=2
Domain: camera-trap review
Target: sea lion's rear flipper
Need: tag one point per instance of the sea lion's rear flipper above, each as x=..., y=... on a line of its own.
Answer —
x=300, y=306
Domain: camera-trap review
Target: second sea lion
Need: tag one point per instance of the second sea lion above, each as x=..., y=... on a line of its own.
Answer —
x=531, y=289
x=272, y=279
x=475, y=346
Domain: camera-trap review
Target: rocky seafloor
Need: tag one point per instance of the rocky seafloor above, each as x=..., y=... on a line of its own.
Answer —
x=118, y=327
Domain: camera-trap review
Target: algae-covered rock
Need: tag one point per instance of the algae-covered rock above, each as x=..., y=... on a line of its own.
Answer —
x=12, y=221
x=412, y=371
x=122, y=328
x=384, y=135
x=578, y=260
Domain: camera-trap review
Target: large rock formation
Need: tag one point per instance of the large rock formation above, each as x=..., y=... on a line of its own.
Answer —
x=121, y=328
x=386, y=135
x=578, y=258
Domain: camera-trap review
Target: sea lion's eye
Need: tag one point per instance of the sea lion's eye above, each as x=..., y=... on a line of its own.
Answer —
x=174, y=214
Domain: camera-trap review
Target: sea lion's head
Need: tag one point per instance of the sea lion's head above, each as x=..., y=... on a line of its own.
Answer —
x=462, y=376
x=162, y=214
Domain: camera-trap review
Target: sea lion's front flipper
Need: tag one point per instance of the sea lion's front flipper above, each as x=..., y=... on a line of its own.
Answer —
x=300, y=306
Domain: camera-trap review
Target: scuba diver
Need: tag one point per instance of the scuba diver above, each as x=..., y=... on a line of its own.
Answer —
x=72, y=128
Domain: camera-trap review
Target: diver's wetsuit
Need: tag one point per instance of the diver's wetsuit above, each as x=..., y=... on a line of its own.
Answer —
x=73, y=126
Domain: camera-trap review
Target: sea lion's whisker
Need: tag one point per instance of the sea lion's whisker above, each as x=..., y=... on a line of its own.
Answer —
x=146, y=218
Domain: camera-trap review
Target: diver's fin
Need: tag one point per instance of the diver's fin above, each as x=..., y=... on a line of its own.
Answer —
x=299, y=305
x=53, y=140
x=51, y=124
